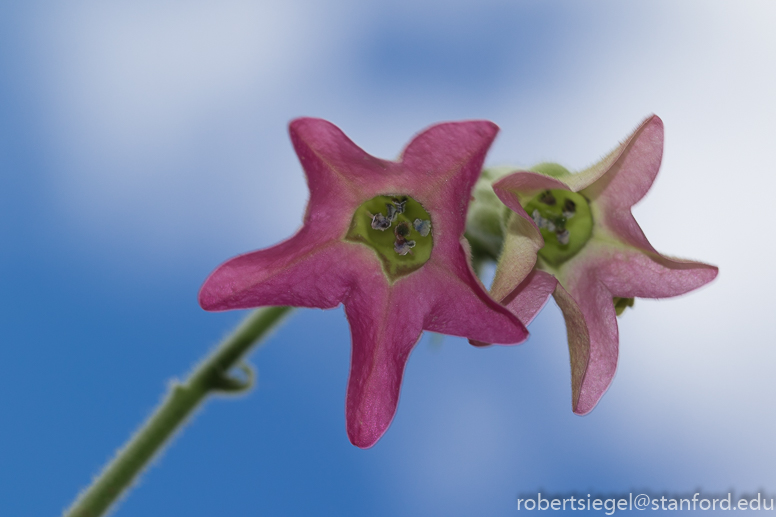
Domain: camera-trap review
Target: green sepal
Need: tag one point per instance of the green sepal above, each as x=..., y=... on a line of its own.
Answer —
x=551, y=169
x=620, y=304
x=487, y=217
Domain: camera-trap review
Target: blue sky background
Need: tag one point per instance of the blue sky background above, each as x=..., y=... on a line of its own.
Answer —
x=143, y=143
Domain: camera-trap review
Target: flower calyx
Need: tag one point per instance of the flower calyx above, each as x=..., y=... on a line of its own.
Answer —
x=620, y=304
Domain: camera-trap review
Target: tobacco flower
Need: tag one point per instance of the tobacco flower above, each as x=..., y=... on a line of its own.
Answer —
x=383, y=238
x=592, y=255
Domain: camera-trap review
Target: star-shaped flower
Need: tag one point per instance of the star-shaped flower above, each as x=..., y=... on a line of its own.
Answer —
x=592, y=255
x=386, y=240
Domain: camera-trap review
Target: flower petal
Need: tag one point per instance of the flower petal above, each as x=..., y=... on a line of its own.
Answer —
x=579, y=343
x=624, y=175
x=340, y=175
x=632, y=174
x=385, y=324
x=595, y=302
x=460, y=306
x=526, y=183
x=522, y=241
x=629, y=272
x=445, y=161
x=302, y=272
x=531, y=295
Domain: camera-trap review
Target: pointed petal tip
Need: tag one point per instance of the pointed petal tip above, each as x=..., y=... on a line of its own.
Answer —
x=364, y=438
x=302, y=125
x=368, y=421
x=584, y=406
x=585, y=403
x=583, y=411
x=654, y=119
x=484, y=128
x=591, y=394
x=212, y=302
x=465, y=133
x=301, y=121
x=704, y=274
x=372, y=400
x=216, y=293
x=520, y=338
x=522, y=335
x=208, y=297
x=654, y=124
x=517, y=334
x=205, y=302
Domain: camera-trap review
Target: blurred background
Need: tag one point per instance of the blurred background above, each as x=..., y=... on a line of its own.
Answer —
x=143, y=143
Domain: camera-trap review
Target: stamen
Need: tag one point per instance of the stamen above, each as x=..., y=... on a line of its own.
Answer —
x=542, y=222
x=404, y=250
x=392, y=213
x=538, y=219
x=380, y=222
x=422, y=227
x=564, y=220
x=569, y=208
x=547, y=198
x=403, y=247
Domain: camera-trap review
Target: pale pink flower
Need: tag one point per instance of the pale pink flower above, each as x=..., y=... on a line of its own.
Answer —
x=611, y=258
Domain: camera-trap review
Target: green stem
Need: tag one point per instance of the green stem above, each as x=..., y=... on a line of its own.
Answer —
x=212, y=375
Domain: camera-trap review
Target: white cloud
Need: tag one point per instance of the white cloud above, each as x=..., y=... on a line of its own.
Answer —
x=156, y=114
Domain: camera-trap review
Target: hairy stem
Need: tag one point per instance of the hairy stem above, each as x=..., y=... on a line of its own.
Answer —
x=210, y=376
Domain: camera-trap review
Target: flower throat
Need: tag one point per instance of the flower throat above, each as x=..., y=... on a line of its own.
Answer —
x=564, y=219
x=398, y=228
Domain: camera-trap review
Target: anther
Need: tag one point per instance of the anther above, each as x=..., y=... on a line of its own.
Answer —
x=404, y=250
x=537, y=218
x=547, y=198
x=403, y=247
x=422, y=227
x=542, y=222
x=564, y=220
x=569, y=208
x=392, y=212
x=400, y=205
x=380, y=222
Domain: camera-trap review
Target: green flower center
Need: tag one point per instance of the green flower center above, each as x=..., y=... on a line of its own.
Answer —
x=398, y=228
x=564, y=219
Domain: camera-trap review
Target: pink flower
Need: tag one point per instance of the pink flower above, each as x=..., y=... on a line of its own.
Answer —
x=386, y=240
x=592, y=255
